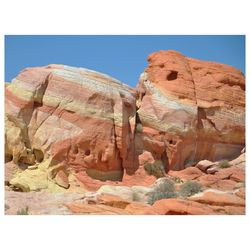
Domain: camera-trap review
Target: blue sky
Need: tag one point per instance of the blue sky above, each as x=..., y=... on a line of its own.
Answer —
x=123, y=57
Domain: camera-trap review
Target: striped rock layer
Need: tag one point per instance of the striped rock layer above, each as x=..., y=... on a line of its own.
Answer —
x=82, y=119
x=191, y=109
x=182, y=111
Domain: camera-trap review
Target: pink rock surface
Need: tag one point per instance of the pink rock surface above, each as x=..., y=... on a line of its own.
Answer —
x=80, y=118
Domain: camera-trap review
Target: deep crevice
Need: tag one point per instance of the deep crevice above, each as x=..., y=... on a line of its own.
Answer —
x=87, y=152
x=199, y=121
x=8, y=158
x=75, y=149
x=37, y=102
x=201, y=114
x=165, y=161
x=38, y=155
x=115, y=141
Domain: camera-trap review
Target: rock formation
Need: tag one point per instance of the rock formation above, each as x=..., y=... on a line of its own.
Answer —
x=191, y=110
x=81, y=119
x=85, y=123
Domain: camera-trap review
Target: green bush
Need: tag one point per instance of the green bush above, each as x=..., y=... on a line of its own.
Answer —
x=224, y=164
x=190, y=188
x=23, y=211
x=163, y=190
x=156, y=169
x=139, y=128
x=177, y=179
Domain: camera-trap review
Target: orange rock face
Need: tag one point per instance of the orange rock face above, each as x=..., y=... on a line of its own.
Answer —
x=218, y=199
x=190, y=173
x=178, y=207
x=197, y=107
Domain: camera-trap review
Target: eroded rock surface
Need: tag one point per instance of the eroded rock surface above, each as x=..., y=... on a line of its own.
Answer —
x=191, y=110
x=69, y=126
x=82, y=119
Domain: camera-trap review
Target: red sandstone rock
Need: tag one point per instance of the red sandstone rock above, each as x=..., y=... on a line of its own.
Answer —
x=223, y=179
x=112, y=201
x=198, y=108
x=190, y=173
x=179, y=207
x=218, y=198
x=241, y=193
x=208, y=180
x=136, y=208
x=204, y=165
x=145, y=157
x=227, y=172
x=109, y=205
x=140, y=178
x=89, y=183
x=238, y=176
x=91, y=209
x=229, y=210
x=223, y=185
x=234, y=210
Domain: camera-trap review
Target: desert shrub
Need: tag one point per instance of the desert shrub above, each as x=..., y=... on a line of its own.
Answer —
x=163, y=190
x=224, y=164
x=23, y=211
x=135, y=197
x=177, y=179
x=156, y=169
x=139, y=128
x=190, y=188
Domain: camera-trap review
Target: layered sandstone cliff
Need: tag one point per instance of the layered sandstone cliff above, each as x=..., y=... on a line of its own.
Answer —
x=79, y=118
x=191, y=109
x=81, y=121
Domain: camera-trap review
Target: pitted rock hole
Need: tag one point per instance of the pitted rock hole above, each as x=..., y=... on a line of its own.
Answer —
x=172, y=76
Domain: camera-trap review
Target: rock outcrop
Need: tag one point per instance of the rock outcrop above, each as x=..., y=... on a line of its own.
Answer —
x=191, y=110
x=86, y=123
x=83, y=120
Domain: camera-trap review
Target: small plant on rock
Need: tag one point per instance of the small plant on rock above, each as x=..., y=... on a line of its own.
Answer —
x=23, y=211
x=177, y=180
x=224, y=164
x=163, y=190
x=190, y=188
x=156, y=169
x=139, y=128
